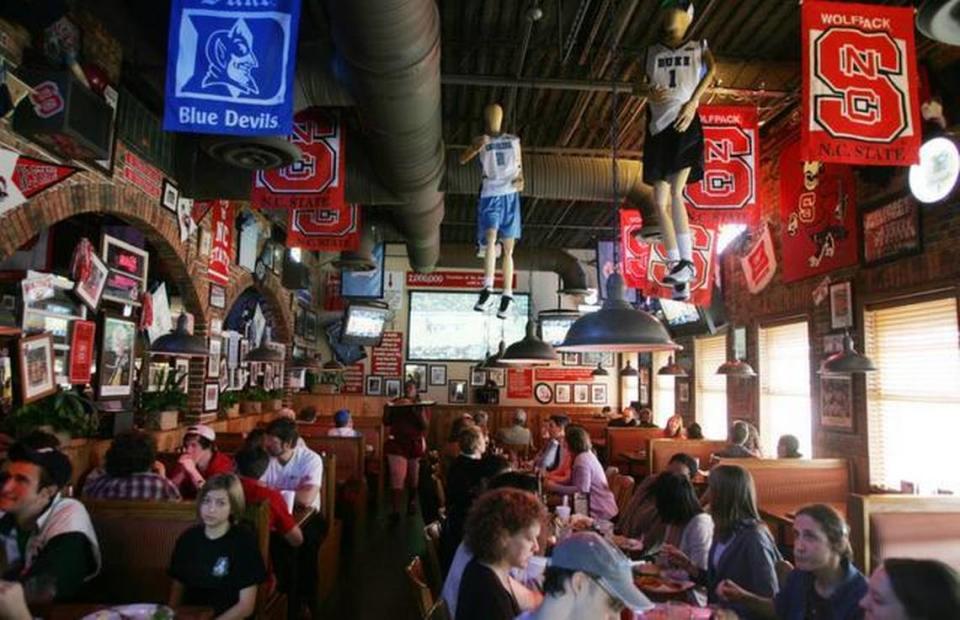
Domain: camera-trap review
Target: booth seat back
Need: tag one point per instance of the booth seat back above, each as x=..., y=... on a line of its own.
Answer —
x=622, y=440
x=662, y=450
x=794, y=483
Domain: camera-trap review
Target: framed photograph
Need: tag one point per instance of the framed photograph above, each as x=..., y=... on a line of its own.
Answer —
x=598, y=393
x=543, y=393
x=213, y=362
x=571, y=359
x=170, y=195
x=374, y=385
x=185, y=220
x=891, y=230
x=457, y=391
x=115, y=369
x=841, y=305
x=156, y=375
x=182, y=369
x=836, y=403
x=112, y=97
x=218, y=296
x=224, y=381
x=832, y=343
x=478, y=377
x=311, y=323
x=80, y=357
x=418, y=372
x=438, y=374
x=36, y=367
x=562, y=393
x=498, y=376
x=206, y=242
x=592, y=358
x=211, y=396
x=683, y=388
x=581, y=393
x=90, y=289
x=127, y=271
x=391, y=388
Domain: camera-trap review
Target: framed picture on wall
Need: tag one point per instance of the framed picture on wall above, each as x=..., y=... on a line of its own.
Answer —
x=213, y=362
x=478, y=377
x=836, y=403
x=127, y=271
x=543, y=393
x=211, y=396
x=598, y=393
x=592, y=358
x=115, y=369
x=170, y=195
x=581, y=393
x=498, y=376
x=683, y=391
x=36, y=367
x=391, y=388
x=90, y=288
x=457, y=391
x=218, y=296
x=571, y=359
x=841, y=306
x=562, y=393
x=417, y=372
x=438, y=374
x=374, y=385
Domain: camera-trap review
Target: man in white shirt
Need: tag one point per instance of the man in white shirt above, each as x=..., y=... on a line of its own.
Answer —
x=293, y=466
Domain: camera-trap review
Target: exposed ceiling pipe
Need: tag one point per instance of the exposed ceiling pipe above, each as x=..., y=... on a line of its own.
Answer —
x=388, y=53
x=525, y=258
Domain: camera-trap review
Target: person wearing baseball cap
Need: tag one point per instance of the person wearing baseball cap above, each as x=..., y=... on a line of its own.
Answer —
x=49, y=542
x=200, y=460
x=587, y=577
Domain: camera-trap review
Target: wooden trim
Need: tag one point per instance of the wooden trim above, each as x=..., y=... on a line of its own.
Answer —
x=878, y=301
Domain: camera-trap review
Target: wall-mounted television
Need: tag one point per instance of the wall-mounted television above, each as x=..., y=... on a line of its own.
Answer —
x=363, y=324
x=346, y=353
x=684, y=319
x=555, y=324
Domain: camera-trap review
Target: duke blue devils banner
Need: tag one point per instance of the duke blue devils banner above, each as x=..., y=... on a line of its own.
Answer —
x=230, y=66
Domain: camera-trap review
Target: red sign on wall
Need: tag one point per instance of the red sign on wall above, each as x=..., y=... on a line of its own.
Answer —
x=387, y=359
x=453, y=279
x=520, y=383
x=353, y=379
x=563, y=374
x=142, y=175
x=81, y=351
x=218, y=269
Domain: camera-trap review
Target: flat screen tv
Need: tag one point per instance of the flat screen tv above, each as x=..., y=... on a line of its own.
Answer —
x=363, y=324
x=345, y=353
x=684, y=319
x=554, y=326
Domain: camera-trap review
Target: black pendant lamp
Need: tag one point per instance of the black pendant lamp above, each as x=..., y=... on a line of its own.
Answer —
x=629, y=371
x=264, y=353
x=736, y=368
x=600, y=371
x=847, y=362
x=530, y=350
x=180, y=343
x=672, y=369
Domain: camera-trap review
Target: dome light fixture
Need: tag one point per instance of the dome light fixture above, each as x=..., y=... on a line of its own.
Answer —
x=847, y=362
x=672, y=369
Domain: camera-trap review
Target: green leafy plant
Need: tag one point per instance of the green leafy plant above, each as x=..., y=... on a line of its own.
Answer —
x=256, y=394
x=275, y=394
x=229, y=399
x=167, y=398
x=63, y=412
x=332, y=378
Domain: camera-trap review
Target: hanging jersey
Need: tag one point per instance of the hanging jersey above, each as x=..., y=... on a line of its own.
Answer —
x=500, y=165
x=679, y=71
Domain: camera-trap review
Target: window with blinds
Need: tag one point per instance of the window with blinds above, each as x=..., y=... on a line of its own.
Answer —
x=913, y=399
x=664, y=390
x=785, y=405
x=711, y=388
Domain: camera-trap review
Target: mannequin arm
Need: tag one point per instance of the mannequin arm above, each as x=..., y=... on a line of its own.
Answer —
x=689, y=110
x=643, y=88
x=478, y=143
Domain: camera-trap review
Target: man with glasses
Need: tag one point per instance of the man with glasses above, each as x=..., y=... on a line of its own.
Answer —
x=587, y=577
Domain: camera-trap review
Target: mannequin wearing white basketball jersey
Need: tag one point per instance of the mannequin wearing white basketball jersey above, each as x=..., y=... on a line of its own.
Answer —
x=498, y=210
x=677, y=73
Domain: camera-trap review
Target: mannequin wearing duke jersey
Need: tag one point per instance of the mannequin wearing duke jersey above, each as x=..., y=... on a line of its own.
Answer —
x=499, y=206
x=677, y=73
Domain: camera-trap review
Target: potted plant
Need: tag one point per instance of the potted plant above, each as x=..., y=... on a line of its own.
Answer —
x=331, y=382
x=230, y=404
x=312, y=382
x=251, y=400
x=65, y=414
x=163, y=407
x=274, y=401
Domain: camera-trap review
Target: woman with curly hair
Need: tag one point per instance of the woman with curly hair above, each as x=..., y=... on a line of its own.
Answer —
x=501, y=532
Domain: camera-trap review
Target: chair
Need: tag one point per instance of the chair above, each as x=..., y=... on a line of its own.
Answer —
x=431, y=533
x=622, y=487
x=419, y=588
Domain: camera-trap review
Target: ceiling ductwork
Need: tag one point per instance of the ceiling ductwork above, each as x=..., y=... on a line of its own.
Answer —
x=561, y=262
x=251, y=152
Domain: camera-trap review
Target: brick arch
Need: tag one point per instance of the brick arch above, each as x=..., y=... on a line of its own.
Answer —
x=274, y=294
x=158, y=225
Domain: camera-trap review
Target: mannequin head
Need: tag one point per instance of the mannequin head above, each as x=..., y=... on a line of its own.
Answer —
x=493, y=115
x=677, y=15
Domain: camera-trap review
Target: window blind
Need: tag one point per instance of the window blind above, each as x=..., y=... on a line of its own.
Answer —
x=913, y=399
x=663, y=390
x=785, y=406
x=711, y=388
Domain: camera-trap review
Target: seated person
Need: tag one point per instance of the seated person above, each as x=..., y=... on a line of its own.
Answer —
x=199, y=461
x=50, y=544
x=824, y=583
x=586, y=476
x=628, y=417
x=129, y=472
x=646, y=418
x=217, y=563
x=752, y=444
x=694, y=431
x=554, y=459
x=293, y=466
x=689, y=529
x=607, y=412
x=518, y=434
x=587, y=578
x=640, y=516
x=307, y=415
x=674, y=427
x=451, y=449
x=287, y=412
x=501, y=532
x=788, y=447
x=343, y=425
x=482, y=420
x=902, y=589
x=735, y=448
x=251, y=465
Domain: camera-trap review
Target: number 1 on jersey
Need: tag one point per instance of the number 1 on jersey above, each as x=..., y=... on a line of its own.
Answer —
x=673, y=78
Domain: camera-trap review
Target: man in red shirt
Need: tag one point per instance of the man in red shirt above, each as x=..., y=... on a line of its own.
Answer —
x=199, y=460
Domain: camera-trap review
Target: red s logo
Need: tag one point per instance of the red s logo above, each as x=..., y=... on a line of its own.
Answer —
x=318, y=167
x=728, y=176
x=46, y=99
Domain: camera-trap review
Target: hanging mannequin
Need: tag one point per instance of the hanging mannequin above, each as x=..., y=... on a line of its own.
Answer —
x=499, y=206
x=678, y=71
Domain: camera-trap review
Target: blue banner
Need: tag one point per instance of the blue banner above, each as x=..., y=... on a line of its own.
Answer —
x=230, y=66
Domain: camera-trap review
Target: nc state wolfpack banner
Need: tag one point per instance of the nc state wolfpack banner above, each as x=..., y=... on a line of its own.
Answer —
x=818, y=216
x=22, y=177
x=633, y=252
x=649, y=263
x=230, y=66
x=859, y=84
x=760, y=263
x=728, y=191
x=218, y=268
x=324, y=230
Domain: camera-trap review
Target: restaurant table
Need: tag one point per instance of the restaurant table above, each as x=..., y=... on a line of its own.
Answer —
x=73, y=611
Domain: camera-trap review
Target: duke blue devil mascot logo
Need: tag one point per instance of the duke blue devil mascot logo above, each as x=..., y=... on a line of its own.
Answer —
x=230, y=68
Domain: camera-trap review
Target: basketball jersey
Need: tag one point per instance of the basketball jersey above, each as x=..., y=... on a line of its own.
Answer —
x=500, y=164
x=677, y=70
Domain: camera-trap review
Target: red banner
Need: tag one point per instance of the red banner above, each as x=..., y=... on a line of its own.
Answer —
x=859, y=84
x=387, y=359
x=760, y=263
x=520, y=383
x=324, y=229
x=453, y=279
x=142, y=175
x=353, y=379
x=633, y=252
x=563, y=374
x=704, y=258
x=728, y=191
x=218, y=269
x=818, y=214
x=22, y=177
x=81, y=351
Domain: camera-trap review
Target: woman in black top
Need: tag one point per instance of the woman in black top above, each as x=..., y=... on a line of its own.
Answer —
x=501, y=532
x=218, y=563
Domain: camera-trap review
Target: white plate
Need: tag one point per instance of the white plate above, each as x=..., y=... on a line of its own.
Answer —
x=140, y=611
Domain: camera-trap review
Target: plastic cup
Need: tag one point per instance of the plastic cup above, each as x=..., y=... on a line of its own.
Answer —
x=563, y=513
